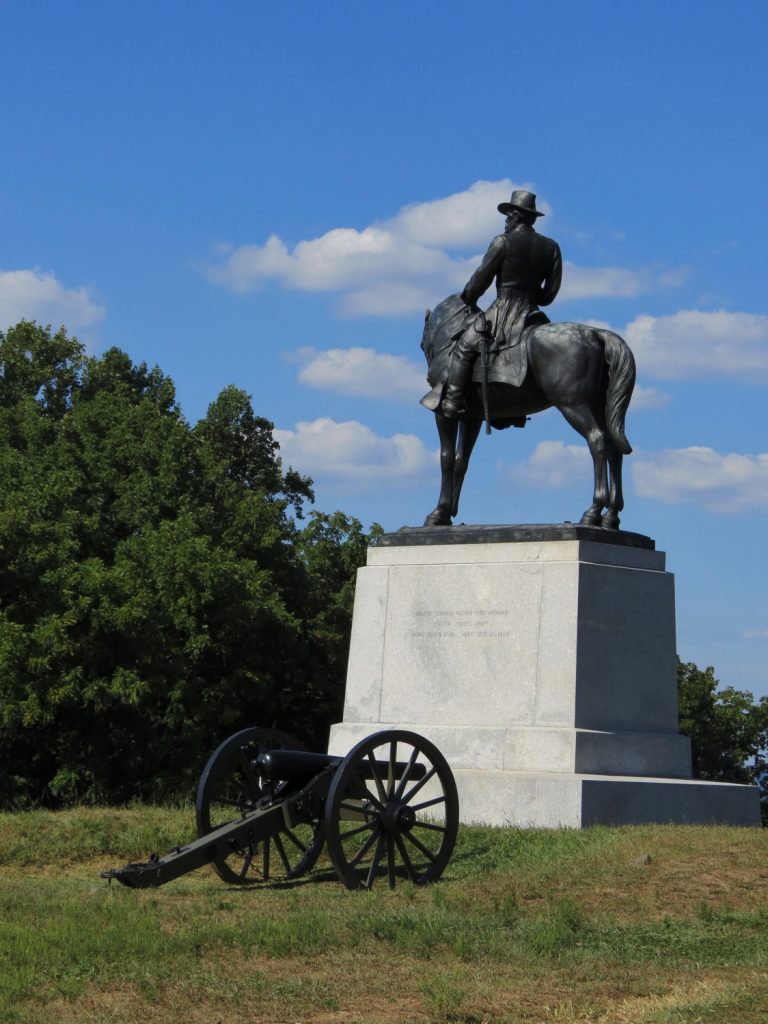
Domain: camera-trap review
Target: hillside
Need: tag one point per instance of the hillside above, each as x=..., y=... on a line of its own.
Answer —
x=644, y=925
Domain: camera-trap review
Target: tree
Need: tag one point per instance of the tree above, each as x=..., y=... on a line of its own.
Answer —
x=728, y=729
x=331, y=547
x=156, y=589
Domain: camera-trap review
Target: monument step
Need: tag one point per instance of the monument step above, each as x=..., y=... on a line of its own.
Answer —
x=541, y=749
x=556, y=800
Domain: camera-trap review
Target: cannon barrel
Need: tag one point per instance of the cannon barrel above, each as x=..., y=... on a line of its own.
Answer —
x=293, y=764
x=300, y=764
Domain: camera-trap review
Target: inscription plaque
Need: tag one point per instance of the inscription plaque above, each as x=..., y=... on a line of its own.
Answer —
x=448, y=632
x=462, y=623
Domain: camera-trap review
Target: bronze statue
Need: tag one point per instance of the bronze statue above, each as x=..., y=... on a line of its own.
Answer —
x=527, y=268
x=526, y=365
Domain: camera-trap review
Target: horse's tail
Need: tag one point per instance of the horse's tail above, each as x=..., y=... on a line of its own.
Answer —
x=621, y=384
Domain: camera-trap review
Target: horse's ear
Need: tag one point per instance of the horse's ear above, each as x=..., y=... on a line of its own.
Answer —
x=427, y=315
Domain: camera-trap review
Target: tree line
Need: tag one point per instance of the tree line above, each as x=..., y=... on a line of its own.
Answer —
x=163, y=584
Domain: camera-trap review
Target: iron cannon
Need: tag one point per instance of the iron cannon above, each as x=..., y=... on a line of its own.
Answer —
x=266, y=807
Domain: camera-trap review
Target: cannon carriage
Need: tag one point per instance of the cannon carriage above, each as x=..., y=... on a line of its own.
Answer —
x=266, y=808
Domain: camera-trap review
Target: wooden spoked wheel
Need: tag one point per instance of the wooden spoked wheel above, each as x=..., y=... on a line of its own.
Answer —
x=392, y=811
x=230, y=786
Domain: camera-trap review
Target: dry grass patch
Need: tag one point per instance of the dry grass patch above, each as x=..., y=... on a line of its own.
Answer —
x=711, y=996
x=608, y=872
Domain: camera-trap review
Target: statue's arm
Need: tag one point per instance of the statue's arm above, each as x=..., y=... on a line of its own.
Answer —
x=483, y=277
x=551, y=284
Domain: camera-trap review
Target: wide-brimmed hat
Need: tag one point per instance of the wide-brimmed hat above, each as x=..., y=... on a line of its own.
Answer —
x=521, y=200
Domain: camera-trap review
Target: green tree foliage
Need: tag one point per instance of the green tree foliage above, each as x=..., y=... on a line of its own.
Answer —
x=727, y=727
x=157, y=589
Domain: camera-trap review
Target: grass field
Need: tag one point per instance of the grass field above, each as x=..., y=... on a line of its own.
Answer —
x=645, y=925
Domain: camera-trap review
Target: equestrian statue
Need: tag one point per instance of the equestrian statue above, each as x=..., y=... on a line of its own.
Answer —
x=501, y=365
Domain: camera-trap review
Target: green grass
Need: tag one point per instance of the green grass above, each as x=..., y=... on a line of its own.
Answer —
x=525, y=926
x=35, y=838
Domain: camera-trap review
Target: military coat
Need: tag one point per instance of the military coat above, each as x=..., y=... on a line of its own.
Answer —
x=527, y=268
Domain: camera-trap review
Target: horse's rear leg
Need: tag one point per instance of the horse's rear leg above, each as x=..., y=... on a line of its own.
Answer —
x=469, y=431
x=582, y=418
x=616, y=491
x=447, y=430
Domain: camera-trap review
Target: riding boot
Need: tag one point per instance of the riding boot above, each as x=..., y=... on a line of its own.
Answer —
x=459, y=374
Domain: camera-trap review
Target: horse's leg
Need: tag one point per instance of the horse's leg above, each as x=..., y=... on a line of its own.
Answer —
x=447, y=430
x=468, y=434
x=616, y=491
x=582, y=418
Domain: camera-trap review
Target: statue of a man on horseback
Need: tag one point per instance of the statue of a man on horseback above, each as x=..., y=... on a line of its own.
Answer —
x=588, y=373
x=527, y=268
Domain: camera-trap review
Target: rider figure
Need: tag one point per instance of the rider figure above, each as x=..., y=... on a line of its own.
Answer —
x=527, y=268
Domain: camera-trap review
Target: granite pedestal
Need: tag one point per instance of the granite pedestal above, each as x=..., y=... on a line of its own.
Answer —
x=541, y=661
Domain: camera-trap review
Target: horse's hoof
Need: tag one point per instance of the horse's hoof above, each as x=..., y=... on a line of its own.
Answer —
x=610, y=521
x=437, y=519
x=590, y=519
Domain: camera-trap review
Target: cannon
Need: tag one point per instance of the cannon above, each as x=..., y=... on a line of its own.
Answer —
x=266, y=807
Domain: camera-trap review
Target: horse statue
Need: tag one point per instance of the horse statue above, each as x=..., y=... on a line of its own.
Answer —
x=588, y=373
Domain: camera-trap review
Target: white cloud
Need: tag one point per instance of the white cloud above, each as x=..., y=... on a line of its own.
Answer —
x=721, y=483
x=553, y=465
x=649, y=398
x=398, y=298
x=695, y=343
x=378, y=272
x=37, y=295
x=593, y=282
x=350, y=455
x=463, y=219
x=401, y=265
x=363, y=372
x=756, y=634
x=731, y=483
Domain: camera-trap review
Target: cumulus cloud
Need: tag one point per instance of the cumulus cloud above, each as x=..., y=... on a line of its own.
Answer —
x=350, y=455
x=729, y=483
x=695, y=343
x=403, y=264
x=38, y=295
x=649, y=398
x=363, y=372
x=553, y=465
x=463, y=219
x=593, y=282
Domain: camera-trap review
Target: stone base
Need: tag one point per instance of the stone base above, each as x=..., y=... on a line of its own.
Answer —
x=538, y=749
x=540, y=800
x=567, y=799
x=541, y=661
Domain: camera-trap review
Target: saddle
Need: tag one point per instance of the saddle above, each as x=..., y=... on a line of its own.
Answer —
x=507, y=363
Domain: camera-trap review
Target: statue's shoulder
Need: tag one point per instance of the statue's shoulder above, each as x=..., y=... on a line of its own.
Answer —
x=498, y=244
x=550, y=243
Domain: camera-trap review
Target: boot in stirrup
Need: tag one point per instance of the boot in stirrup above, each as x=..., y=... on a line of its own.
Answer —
x=459, y=373
x=452, y=406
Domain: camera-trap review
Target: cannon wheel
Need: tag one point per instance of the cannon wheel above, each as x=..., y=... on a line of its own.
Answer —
x=230, y=786
x=377, y=825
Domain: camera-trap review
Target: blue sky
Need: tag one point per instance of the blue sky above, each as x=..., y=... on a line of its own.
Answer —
x=270, y=197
